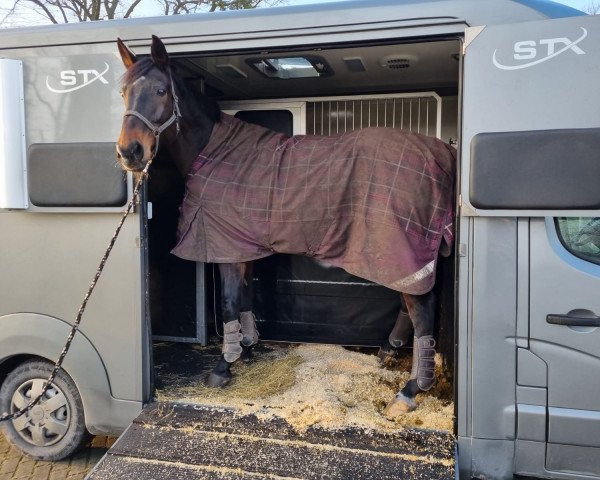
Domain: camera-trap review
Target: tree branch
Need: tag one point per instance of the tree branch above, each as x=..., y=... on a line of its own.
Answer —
x=45, y=9
x=131, y=8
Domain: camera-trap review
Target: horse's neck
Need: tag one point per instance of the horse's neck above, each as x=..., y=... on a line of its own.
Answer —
x=189, y=143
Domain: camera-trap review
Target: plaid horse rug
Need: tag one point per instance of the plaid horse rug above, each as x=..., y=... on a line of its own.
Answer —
x=377, y=202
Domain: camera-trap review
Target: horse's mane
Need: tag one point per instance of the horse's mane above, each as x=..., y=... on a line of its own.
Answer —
x=197, y=104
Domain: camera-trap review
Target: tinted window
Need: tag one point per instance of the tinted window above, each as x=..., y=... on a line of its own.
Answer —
x=581, y=236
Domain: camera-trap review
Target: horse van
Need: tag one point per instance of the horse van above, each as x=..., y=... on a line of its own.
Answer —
x=511, y=84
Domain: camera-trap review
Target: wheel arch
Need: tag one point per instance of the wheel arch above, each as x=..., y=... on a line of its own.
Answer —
x=25, y=336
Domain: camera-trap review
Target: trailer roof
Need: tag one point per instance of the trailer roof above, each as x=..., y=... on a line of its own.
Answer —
x=316, y=16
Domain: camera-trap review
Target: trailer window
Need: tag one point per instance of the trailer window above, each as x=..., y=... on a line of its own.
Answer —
x=581, y=236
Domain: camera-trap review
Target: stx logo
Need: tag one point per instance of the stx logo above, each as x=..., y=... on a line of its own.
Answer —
x=76, y=79
x=549, y=47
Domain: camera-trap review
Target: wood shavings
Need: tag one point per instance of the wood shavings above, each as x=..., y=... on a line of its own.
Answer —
x=323, y=385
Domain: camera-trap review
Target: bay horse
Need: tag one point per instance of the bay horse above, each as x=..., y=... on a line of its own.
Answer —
x=383, y=215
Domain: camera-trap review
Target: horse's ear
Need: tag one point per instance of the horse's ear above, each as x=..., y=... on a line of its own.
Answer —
x=127, y=55
x=159, y=54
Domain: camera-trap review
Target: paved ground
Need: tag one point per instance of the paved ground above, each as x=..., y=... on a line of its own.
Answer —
x=14, y=466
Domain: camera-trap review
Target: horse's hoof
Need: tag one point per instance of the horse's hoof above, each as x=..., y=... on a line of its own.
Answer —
x=399, y=406
x=218, y=381
x=246, y=356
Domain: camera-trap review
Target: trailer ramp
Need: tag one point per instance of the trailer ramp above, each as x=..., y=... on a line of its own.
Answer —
x=183, y=441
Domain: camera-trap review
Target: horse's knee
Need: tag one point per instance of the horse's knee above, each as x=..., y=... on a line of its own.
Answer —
x=421, y=309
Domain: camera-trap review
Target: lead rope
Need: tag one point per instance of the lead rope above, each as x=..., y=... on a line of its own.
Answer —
x=75, y=327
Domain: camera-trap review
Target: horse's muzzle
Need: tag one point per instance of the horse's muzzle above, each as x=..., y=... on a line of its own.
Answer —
x=132, y=156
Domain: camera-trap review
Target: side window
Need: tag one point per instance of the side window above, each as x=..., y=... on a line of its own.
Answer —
x=581, y=236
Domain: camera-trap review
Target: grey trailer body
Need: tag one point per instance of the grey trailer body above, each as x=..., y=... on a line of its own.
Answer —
x=518, y=90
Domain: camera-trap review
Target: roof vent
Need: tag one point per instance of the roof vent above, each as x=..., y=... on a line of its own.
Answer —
x=398, y=62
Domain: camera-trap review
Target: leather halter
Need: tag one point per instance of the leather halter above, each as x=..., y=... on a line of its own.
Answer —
x=158, y=129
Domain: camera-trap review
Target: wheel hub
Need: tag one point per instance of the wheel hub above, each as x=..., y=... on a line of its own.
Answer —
x=47, y=422
x=37, y=414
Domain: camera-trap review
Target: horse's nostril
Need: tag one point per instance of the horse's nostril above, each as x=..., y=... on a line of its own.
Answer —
x=137, y=150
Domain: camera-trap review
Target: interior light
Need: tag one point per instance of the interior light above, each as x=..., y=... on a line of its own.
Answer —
x=291, y=67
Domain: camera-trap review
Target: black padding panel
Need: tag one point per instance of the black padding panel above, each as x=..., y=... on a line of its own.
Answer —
x=75, y=175
x=279, y=120
x=546, y=169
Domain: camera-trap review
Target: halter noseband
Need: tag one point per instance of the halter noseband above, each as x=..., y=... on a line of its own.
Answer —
x=158, y=129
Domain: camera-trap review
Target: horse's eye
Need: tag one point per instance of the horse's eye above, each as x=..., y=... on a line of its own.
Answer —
x=161, y=92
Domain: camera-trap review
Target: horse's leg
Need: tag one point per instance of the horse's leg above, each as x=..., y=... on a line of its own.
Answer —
x=232, y=278
x=421, y=309
x=247, y=318
x=398, y=337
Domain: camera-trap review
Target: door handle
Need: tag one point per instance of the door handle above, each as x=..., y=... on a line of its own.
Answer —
x=572, y=321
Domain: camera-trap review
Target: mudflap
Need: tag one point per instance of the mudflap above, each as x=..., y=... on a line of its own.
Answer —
x=184, y=441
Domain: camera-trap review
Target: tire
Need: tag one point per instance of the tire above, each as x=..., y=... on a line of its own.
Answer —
x=55, y=428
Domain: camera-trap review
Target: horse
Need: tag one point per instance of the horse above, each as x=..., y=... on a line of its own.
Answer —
x=336, y=223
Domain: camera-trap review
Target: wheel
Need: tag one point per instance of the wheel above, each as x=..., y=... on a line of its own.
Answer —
x=53, y=429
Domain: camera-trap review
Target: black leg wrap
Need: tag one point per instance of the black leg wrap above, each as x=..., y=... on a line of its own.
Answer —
x=249, y=330
x=232, y=337
x=423, y=363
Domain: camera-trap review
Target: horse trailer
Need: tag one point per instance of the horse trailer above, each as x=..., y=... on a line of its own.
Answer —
x=512, y=84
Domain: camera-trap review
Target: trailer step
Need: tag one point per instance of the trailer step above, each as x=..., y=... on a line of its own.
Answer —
x=191, y=441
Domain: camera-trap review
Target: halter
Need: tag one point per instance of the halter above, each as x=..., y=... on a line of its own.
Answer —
x=158, y=129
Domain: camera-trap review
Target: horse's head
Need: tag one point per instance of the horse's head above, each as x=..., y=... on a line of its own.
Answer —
x=151, y=105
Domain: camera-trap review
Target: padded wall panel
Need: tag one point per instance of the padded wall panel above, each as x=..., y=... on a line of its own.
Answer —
x=75, y=175
x=546, y=169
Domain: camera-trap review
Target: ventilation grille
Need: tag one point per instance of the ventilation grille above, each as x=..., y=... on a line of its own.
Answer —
x=397, y=63
x=420, y=114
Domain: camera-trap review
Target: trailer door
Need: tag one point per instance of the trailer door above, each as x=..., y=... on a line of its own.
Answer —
x=531, y=179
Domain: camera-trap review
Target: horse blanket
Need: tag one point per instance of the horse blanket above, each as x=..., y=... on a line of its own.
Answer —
x=377, y=202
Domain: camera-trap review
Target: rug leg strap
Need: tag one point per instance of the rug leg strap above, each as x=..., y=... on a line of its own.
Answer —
x=423, y=362
x=249, y=331
x=232, y=336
